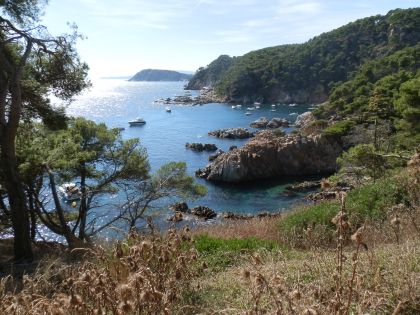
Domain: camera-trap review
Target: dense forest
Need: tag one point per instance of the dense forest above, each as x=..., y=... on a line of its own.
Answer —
x=306, y=73
x=160, y=75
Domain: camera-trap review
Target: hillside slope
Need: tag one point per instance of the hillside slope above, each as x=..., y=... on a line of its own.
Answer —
x=306, y=73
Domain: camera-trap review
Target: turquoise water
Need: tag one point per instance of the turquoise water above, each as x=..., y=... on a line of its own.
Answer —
x=115, y=102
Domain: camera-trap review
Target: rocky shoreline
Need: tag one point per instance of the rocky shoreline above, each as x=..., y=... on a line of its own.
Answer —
x=205, y=96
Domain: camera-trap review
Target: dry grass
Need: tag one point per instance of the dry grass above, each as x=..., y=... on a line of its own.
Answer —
x=261, y=228
x=385, y=277
x=141, y=276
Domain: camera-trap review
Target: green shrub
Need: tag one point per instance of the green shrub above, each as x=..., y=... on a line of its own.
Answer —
x=338, y=129
x=318, y=214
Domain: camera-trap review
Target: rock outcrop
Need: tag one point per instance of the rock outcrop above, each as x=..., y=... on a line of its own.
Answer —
x=179, y=207
x=201, y=147
x=272, y=124
x=232, y=133
x=277, y=123
x=304, y=119
x=215, y=155
x=269, y=156
x=260, y=123
x=203, y=212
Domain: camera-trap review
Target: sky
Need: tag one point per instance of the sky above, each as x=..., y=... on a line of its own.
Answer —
x=126, y=36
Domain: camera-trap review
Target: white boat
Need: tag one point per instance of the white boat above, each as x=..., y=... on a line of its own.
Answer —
x=137, y=122
x=273, y=110
x=273, y=105
x=248, y=113
x=257, y=103
x=250, y=108
x=239, y=106
x=70, y=191
x=293, y=114
x=233, y=106
x=168, y=109
x=257, y=106
x=292, y=105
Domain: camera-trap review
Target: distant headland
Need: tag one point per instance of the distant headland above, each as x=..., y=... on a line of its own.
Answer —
x=160, y=75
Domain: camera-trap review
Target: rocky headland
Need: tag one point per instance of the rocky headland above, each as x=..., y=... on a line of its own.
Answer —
x=269, y=156
x=206, y=96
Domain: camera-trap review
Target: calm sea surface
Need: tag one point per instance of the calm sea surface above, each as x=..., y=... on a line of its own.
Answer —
x=115, y=102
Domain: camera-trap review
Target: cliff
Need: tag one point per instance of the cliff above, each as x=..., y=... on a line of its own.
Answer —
x=268, y=156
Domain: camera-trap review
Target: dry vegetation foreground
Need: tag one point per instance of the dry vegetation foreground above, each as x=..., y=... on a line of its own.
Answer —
x=358, y=254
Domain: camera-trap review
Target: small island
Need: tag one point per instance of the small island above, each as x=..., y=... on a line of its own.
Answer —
x=160, y=75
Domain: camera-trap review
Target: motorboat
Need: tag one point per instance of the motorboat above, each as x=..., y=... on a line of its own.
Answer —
x=239, y=106
x=257, y=106
x=233, y=106
x=292, y=105
x=293, y=114
x=70, y=192
x=168, y=109
x=273, y=105
x=250, y=108
x=257, y=103
x=273, y=110
x=248, y=113
x=137, y=122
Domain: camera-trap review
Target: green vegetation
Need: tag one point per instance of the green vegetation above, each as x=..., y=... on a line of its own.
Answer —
x=160, y=75
x=338, y=129
x=209, y=75
x=315, y=67
x=222, y=253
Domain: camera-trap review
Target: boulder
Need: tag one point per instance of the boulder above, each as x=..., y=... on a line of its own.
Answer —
x=260, y=123
x=201, y=147
x=277, y=123
x=203, y=212
x=232, y=147
x=304, y=119
x=232, y=133
x=270, y=156
x=179, y=207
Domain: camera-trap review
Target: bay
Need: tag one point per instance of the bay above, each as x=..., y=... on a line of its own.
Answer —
x=116, y=101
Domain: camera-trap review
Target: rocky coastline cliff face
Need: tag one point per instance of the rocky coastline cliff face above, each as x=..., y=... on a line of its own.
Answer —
x=270, y=156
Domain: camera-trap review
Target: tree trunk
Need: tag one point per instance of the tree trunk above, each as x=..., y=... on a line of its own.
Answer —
x=83, y=204
x=17, y=200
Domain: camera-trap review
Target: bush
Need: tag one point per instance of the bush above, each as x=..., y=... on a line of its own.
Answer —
x=338, y=129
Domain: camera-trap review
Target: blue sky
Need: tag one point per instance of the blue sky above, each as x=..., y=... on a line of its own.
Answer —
x=125, y=36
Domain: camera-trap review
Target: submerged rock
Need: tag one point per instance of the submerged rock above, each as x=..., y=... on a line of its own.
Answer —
x=201, y=147
x=232, y=133
x=270, y=156
x=203, y=212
